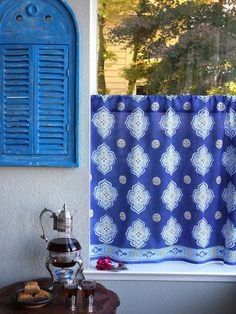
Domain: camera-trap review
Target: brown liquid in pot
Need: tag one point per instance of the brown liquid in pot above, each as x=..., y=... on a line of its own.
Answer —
x=62, y=245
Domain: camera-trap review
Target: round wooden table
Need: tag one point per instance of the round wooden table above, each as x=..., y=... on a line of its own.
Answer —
x=105, y=301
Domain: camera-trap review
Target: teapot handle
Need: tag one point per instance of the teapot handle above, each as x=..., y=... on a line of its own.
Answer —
x=54, y=216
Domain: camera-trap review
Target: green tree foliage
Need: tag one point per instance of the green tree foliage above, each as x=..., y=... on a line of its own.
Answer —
x=181, y=47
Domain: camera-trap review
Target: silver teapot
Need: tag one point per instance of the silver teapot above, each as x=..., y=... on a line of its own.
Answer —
x=64, y=259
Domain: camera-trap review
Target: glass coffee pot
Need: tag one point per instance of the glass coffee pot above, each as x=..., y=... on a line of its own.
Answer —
x=64, y=261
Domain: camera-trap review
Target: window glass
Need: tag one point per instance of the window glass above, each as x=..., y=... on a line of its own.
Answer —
x=167, y=47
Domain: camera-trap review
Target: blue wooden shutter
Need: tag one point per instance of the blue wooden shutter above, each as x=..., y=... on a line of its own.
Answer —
x=16, y=99
x=39, y=84
x=52, y=100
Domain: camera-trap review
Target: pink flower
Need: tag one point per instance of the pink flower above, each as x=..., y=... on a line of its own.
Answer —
x=105, y=263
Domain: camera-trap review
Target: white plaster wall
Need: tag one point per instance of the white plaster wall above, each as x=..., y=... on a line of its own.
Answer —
x=24, y=192
x=142, y=297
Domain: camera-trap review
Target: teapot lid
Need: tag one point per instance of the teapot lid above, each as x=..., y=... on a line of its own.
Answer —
x=65, y=220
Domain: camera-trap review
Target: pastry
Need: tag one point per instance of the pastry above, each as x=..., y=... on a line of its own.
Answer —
x=32, y=287
x=24, y=297
x=41, y=295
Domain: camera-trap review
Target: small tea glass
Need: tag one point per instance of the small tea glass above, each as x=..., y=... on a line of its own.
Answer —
x=88, y=291
x=71, y=293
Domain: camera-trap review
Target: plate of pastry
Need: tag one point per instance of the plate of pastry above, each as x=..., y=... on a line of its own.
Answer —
x=33, y=296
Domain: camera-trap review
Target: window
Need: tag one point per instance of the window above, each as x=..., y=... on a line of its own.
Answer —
x=38, y=115
x=167, y=47
x=162, y=166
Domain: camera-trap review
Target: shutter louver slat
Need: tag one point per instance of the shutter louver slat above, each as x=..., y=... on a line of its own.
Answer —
x=52, y=100
x=17, y=111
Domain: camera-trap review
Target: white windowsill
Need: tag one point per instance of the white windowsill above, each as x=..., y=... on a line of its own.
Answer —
x=167, y=271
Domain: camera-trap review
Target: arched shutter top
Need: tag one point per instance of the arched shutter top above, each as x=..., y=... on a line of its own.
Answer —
x=47, y=20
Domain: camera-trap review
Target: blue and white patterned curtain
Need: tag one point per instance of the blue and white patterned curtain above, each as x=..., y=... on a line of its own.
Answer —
x=163, y=178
